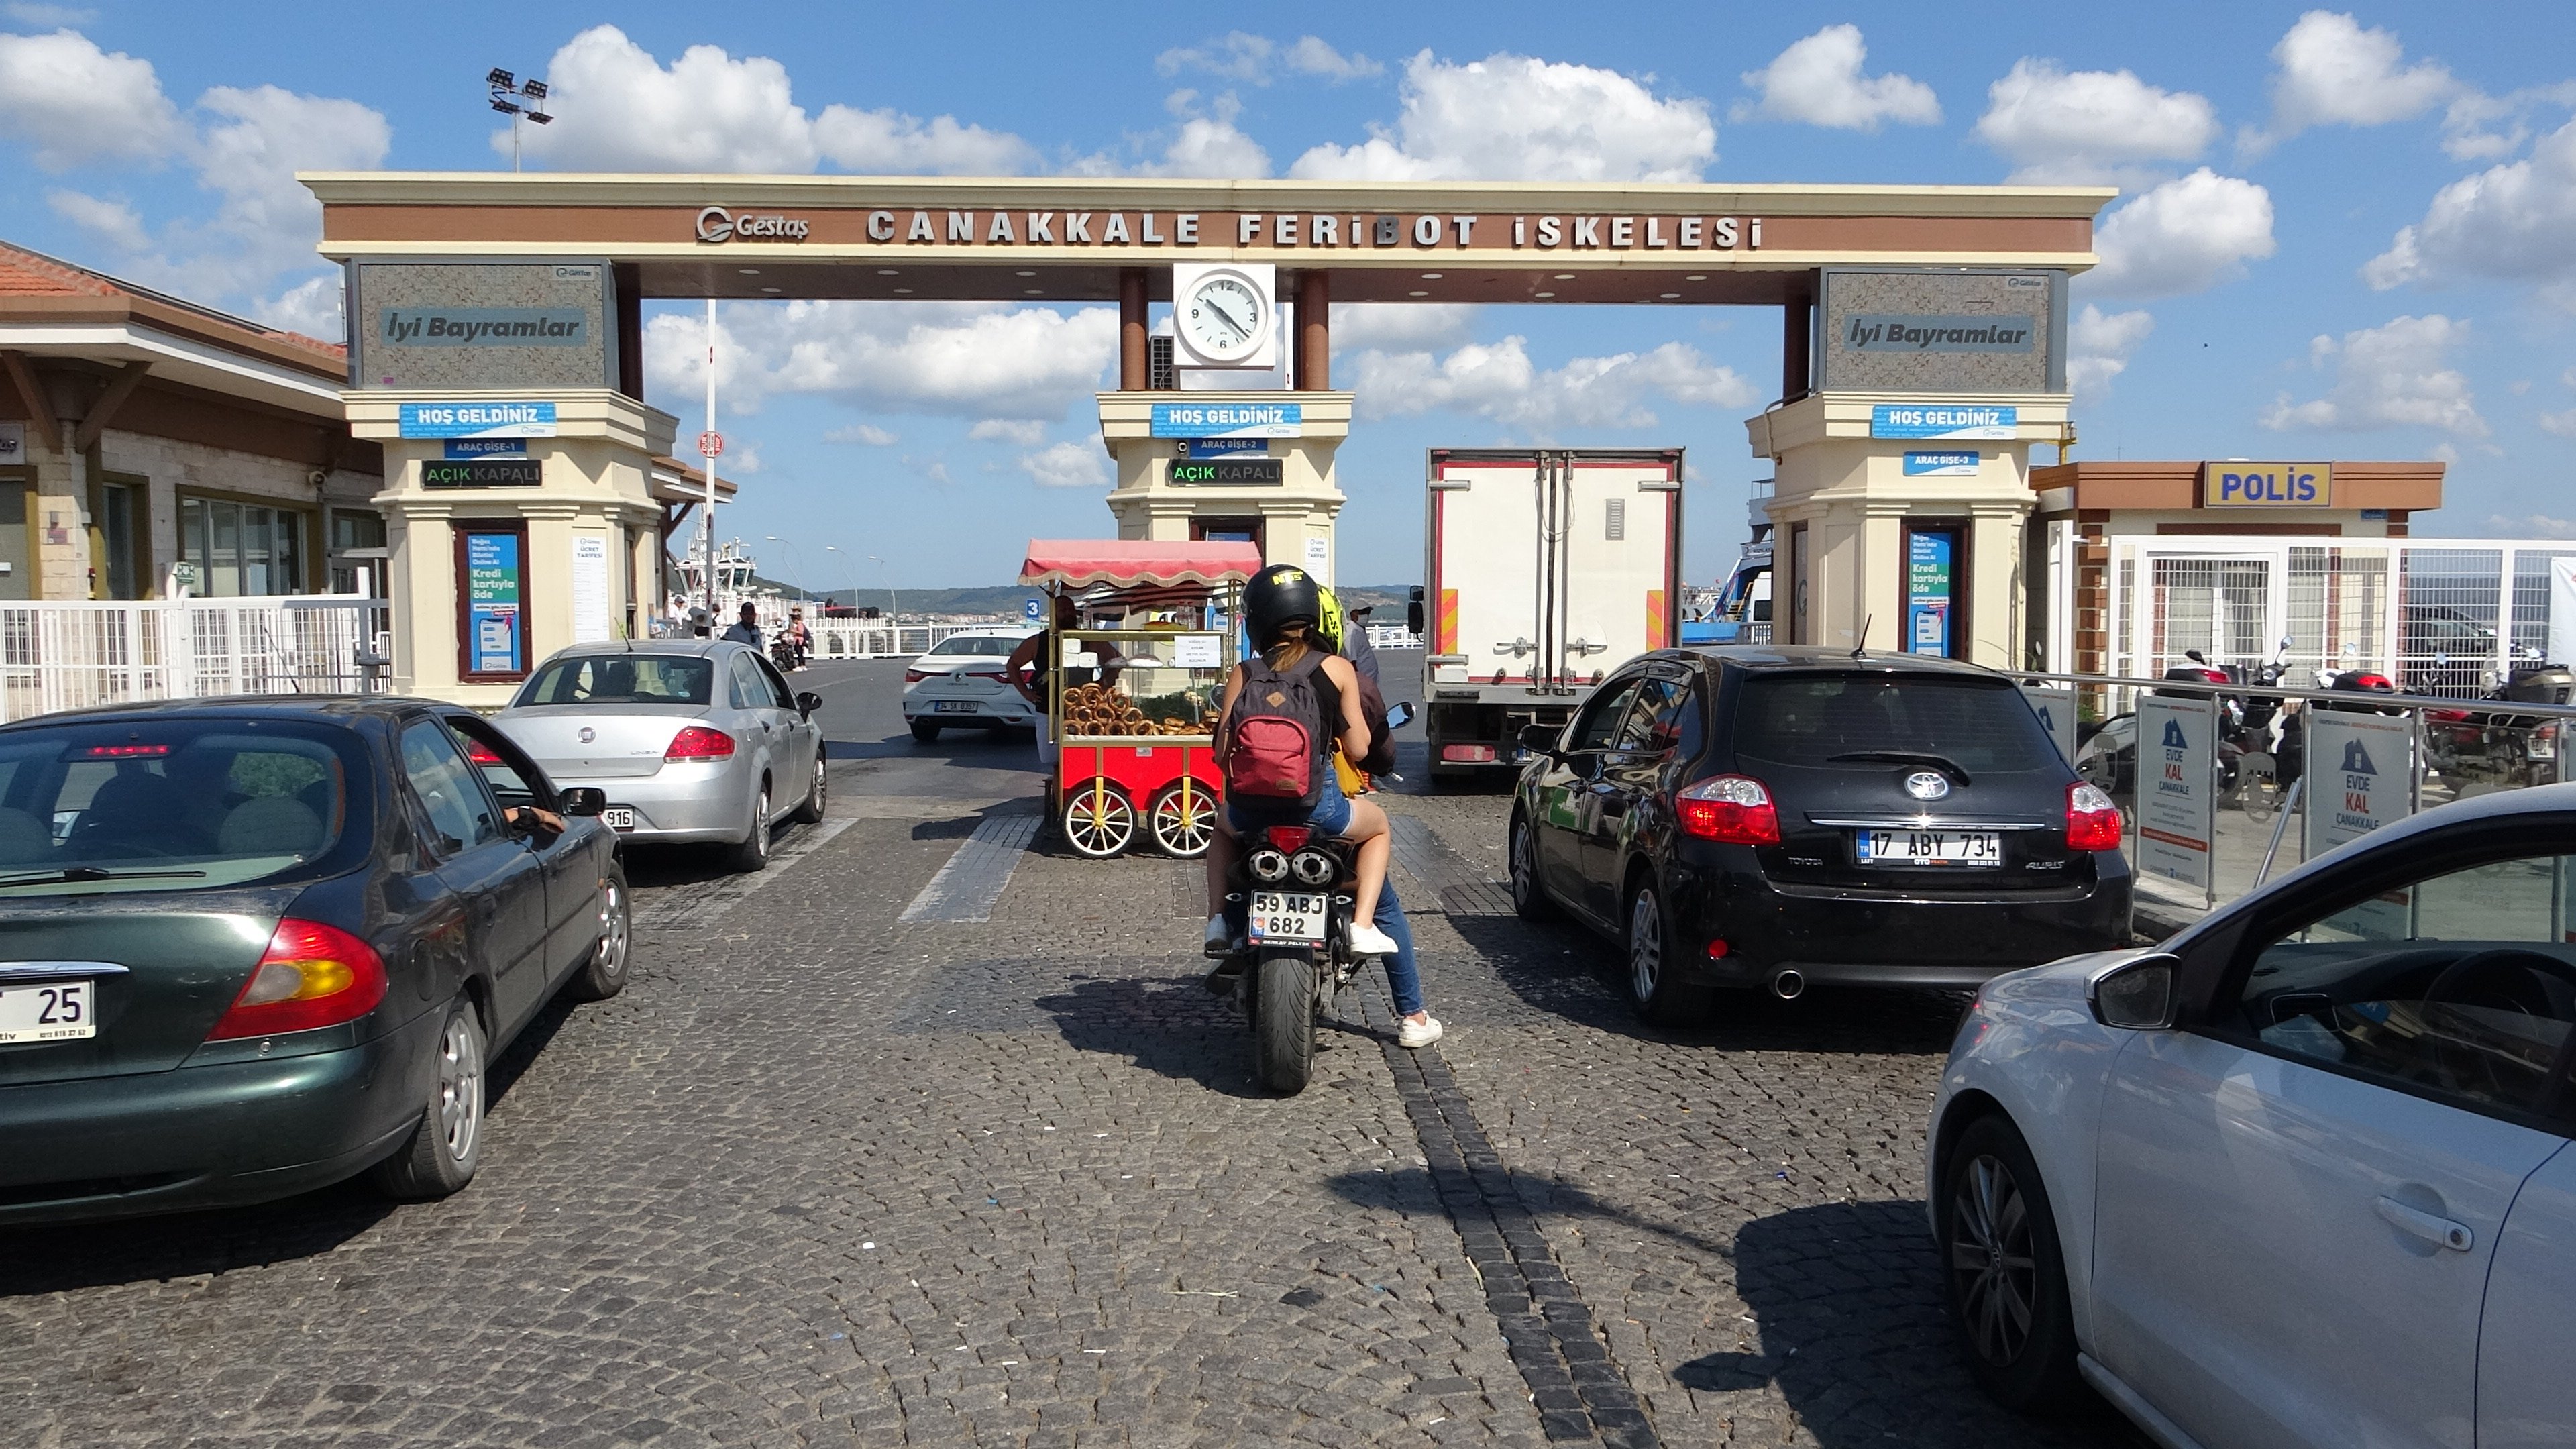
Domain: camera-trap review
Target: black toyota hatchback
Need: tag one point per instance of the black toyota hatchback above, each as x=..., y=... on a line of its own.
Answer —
x=1760, y=816
x=250, y=947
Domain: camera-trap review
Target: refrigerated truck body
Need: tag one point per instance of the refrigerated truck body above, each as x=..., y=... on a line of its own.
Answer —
x=1545, y=570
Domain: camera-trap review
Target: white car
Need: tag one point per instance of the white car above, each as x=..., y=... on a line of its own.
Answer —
x=961, y=682
x=2300, y=1176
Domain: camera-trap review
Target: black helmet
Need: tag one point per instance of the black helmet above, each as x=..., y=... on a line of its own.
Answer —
x=1277, y=595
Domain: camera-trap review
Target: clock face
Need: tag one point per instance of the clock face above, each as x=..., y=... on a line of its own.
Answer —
x=1223, y=318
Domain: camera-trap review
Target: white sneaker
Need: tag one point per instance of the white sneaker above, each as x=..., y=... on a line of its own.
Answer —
x=1417, y=1034
x=1368, y=940
x=1219, y=941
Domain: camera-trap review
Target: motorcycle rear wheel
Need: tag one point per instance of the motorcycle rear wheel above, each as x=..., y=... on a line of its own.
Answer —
x=1283, y=1021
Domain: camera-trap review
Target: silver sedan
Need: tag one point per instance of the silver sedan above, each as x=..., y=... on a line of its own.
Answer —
x=692, y=739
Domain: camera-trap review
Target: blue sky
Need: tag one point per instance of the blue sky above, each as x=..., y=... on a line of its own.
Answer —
x=2341, y=233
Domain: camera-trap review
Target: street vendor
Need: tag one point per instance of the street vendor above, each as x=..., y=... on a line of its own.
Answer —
x=1032, y=665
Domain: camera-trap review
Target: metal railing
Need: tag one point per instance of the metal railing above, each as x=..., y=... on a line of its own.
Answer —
x=2438, y=750
x=857, y=639
x=72, y=654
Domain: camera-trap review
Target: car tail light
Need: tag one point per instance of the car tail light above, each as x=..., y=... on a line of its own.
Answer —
x=480, y=753
x=311, y=975
x=2092, y=818
x=123, y=752
x=1732, y=808
x=915, y=676
x=697, y=742
x=1468, y=754
x=1289, y=838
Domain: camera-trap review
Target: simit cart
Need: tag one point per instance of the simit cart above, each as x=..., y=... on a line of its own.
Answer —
x=1133, y=686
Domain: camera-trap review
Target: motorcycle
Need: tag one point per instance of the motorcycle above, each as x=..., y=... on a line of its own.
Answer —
x=2508, y=749
x=1293, y=887
x=787, y=654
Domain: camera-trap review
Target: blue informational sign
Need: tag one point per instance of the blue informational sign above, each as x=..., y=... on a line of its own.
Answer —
x=495, y=642
x=1927, y=593
x=1925, y=420
x=459, y=449
x=1941, y=465
x=1229, y=420
x=478, y=420
x=1226, y=447
x=1032, y=610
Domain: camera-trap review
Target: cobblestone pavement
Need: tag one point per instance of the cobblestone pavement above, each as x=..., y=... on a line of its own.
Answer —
x=823, y=1176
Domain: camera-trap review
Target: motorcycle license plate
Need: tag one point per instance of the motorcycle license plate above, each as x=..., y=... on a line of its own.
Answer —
x=55, y=1011
x=954, y=706
x=1929, y=847
x=618, y=817
x=1287, y=918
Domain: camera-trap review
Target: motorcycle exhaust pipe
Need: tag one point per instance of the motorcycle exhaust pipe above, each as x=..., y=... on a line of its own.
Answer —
x=1788, y=985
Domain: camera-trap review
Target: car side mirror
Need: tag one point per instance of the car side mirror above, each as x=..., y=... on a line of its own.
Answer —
x=2139, y=995
x=581, y=800
x=1400, y=715
x=808, y=702
x=1539, y=739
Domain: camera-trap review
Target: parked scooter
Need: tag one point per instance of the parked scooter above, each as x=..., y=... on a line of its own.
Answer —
x=1293, y=887
x=2465, y=746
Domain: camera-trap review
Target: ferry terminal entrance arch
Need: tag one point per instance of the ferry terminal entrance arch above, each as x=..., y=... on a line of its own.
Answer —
x=495, y=320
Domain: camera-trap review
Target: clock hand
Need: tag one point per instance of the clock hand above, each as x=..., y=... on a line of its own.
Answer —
x=1226, y=317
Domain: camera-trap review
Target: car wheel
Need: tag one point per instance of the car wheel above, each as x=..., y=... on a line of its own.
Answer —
x=448, y=1142
x=604, y=974
x=1528, y=896
x=924, y=731
x=1655, y=986
x=817, y=798
x=753, y=853
x=2005, y=1273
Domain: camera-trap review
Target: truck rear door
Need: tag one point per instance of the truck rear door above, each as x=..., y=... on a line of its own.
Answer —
x=1483, y=589
x=1618, y=577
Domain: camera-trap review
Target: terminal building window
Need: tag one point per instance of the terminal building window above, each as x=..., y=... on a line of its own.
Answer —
x=239, y=549
x=356, y=528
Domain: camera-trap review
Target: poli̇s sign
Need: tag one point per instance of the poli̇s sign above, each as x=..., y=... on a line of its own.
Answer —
x=2266, y=485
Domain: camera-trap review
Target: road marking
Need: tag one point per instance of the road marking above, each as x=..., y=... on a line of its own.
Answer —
x=696, y=906
x=967, y=886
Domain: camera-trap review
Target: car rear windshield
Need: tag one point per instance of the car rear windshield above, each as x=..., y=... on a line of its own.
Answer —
x=620, y=679
x=169, y=805
x=977, y=644
x=1803, y=719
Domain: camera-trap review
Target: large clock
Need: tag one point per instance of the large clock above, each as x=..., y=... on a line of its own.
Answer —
x=1224, y=316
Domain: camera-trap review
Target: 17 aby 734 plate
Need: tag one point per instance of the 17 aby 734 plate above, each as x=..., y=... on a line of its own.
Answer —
x=1287, y=918
x=1971, y=848
x=49, y=1011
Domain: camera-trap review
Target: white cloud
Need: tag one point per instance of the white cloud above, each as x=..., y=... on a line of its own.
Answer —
x=1027, y=432
x=2090, y=125
x=2536, y=525
x=1067, y=465
x=2509, y=222
x=1400, y=326
x=2099, y=346
x=311, y=307
x=25, y=12
x=1258, y=60
x=2187, y=235
x=1499, y=381
x=112, y=222
x=616, y=108
x=1818, y=81
x=2334, y=73
x=2562, y=424
x=958, y=359
x=71, y=102
x=2480, y=127
x=2388, y=377
x=1516, y=118
x=266, y=222
x=866, y=434
x=1206, y=144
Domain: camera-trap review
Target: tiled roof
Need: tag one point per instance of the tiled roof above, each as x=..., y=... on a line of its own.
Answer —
x=25, y=273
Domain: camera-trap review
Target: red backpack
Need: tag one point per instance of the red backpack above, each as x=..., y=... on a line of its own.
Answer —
x=1277, y=729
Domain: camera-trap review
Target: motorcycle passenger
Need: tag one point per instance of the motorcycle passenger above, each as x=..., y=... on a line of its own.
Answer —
x=1281, y=608
x=799, y=637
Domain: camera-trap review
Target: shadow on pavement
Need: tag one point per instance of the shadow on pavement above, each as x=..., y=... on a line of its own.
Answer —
x=1567, y=971
x=1170, y=1026
x=61, y=1258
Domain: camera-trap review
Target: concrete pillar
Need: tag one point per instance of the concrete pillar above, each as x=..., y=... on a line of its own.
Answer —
x=1314, y=371
x=1134, y=360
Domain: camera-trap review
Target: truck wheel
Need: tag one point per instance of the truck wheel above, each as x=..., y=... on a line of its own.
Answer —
x=1528, y=896
x=1283, y=1028
x=1655, y=986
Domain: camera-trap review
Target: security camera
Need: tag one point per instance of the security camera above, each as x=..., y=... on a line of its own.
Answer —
x=315, y=477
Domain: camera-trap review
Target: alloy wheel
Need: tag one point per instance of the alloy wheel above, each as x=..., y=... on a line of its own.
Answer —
x=460, y=1088
x=760, y=822
x=1992, y=1261
x=613, y=926
x=1524, y=869
x=1645, y=945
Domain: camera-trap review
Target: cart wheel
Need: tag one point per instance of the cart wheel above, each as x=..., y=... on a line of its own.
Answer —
x=1183, y=834
x=1101, y=833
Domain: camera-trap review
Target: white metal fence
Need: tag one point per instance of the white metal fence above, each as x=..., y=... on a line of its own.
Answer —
x=2439, y=616
x=858, y=639
x=72, y=654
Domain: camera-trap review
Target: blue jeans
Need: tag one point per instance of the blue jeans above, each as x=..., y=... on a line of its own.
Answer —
x=1331, y=814
x=1401, y=977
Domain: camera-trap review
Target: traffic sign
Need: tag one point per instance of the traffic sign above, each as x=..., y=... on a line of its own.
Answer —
x=710, y=445
x=1029, y=610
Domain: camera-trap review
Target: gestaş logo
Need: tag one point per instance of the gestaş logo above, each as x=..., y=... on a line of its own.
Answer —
x=717, y=224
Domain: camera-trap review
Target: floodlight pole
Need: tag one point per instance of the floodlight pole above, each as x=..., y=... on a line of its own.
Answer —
x=710, y=464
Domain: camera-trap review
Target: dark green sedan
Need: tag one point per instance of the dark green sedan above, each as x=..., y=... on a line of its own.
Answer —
x=250, y=947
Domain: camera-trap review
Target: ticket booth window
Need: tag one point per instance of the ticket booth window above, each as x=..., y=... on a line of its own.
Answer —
x=1936, y=594
x=1228, y=530
x=240, y=549
x=492, y=602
